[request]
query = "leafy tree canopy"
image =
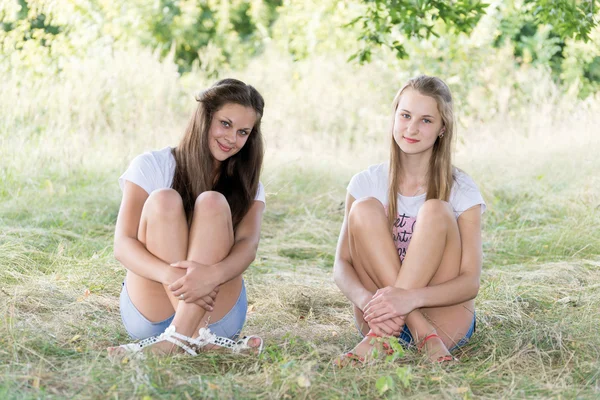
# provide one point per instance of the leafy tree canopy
(389, 23)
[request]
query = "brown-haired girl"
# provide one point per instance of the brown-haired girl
(411, 266)
(189, 226)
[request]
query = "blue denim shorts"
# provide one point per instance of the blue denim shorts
(138, 327)
(406, 339)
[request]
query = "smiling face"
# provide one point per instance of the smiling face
(417, 123)
(229, 130)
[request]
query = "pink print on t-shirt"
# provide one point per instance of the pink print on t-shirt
(402, 233)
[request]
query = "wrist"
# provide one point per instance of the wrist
(169, 275)
(416, 299)
(364, 299)
(216, 275)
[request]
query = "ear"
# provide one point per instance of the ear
(443, 129)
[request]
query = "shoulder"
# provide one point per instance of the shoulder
(465, 193)
(371, 182)
(463, 182)
(373, 173)
(150, 170)
(154, 158)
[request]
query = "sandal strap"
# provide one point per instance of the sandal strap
(170, 335)
(242, 344)
(425, 339)
(205, 337)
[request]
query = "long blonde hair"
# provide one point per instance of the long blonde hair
(439, 174)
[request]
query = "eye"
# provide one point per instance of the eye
(427, 121)
(404, 115)
(243, 133)
(225, 124)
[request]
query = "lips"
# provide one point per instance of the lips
(224, 148)
(409, 140)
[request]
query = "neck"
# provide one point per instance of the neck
(415, 167)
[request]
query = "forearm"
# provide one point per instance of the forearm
(455, 291)
(347, 280)
(134, 256)
(240, 257)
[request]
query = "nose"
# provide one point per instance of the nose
(231, 137)
(413, 127)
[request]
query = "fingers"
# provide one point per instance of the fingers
(393, 328)
(177, 285)
(207, 300)
(382, 329)
(377, 330)
(377, 311)
(202, 303)
(375, 300)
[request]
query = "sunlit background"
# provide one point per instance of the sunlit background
(86, 85)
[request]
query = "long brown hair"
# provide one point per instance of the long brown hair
(440, 172)
(239, 174)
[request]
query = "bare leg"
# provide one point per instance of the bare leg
(164, 231)
(433, 257)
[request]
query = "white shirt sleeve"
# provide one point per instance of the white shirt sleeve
(371, 182)
(465, 194)
(260, 193)
(145, 172)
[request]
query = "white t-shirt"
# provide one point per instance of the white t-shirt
(373, 182)
(155, 170)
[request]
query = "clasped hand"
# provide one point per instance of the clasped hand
(199, 285)
(387, 310)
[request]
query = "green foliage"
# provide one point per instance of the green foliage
(388, 22)
(212, 35)
(568, 18)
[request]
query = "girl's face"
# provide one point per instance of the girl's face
(229, 130)
(417, 123)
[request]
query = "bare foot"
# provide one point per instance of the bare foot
(437, 352)
(370, 348)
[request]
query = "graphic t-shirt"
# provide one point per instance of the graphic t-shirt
(373, 182)
(155, 170)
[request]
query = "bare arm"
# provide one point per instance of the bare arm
(466, 285)
(128, 249)
(344, 274)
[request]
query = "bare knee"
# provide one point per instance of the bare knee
(435, 211)
(164, 202)
(210, 203)
(364, 211)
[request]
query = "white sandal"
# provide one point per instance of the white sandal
(204, 338)
(170, 335)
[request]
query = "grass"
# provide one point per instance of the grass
(538, 309)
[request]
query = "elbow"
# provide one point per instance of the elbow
(337, 275)
(118, 250)
(475, 288)
(253, 247)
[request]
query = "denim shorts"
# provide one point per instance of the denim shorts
(138, 327)
(406, 339)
